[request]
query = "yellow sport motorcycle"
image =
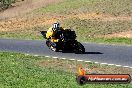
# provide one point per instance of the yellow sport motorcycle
(67, 42)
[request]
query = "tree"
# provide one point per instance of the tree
(5, 4)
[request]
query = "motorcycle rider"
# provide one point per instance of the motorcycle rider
(59, 38)
(52, 31)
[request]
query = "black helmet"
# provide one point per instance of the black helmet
(56, 25)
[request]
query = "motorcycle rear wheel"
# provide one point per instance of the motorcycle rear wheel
(79, 48)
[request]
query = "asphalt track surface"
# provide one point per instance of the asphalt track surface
(111, 54)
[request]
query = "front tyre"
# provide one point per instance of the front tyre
(53, 47)
(48, 43)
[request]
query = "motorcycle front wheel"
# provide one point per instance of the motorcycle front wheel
(52, 46)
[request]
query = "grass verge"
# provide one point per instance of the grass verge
(20, 70)
(119, 41)
(114, 7)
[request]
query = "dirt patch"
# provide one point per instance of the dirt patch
(46, 19)
(127, 34)
(23, 23)
(58, 65)
(102, 17)
(72, 66)
(24, 7)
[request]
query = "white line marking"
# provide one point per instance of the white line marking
(27, 54)
(103, 63)
(11, 55)
(96, 62)
(63, 58)
(55, 57)
(126, 66)
(79, 60)
(130, 67)
(87, 61)
(84, 61)
(118, 65)
(110, 64)
(47, 56)
(72, 59)
(36, 55)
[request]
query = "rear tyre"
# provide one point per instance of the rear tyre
(79, 49)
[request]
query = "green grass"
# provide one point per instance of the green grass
(20, 70)
(65, 5)
(29, 33)
(121, 41)
(114, 7)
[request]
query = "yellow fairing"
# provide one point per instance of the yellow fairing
(54, 40)
(49, 33)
